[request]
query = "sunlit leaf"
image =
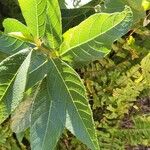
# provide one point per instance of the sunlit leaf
(34, 15)
(92, 38)
(13, 25)
(53, 26)
(13, 81)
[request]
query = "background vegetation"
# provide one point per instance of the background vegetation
(118, 85)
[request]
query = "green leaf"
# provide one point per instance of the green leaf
(9, 71)
(13, 25)
(2, 56)
(54, 26)
(118, 5)
(20, 119)
(35, 16)
(38, 69)
(146, 69)
(51, 103)
(19, 84)
(10, 45)
(74, 95)
(46, 126)
(92, 38)
(72, 17)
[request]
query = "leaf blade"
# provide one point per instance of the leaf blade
(44, 122)
(13, 25)
(10, 63)
(8, 71)
(19, 85)
(102, 28)
(74, 92)
(38, 69)
(20, 119)
(34, 15)
(118, 5)
(78, 14)
(11, 45)
(54, 25)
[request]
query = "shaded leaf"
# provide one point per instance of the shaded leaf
(8, 70)
(62, 3)
(20, 81)
(20, 119)
(10, 45)
(51, 103)
(2, 56)
(79, 118)
(54, 26)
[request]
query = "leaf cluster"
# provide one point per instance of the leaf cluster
(40, 89)
(39, 63)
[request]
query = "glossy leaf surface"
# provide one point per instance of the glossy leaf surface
(13, 25)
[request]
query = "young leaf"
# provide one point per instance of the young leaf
(54, 26)
(46, 125)
(8, 72)
(13, 25)
(49, 109)
(20, 81)
(92, 38)
(62, 76)
(34, 12)
(10, 45)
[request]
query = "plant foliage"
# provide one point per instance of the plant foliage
(40, 58)
(42, 95)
